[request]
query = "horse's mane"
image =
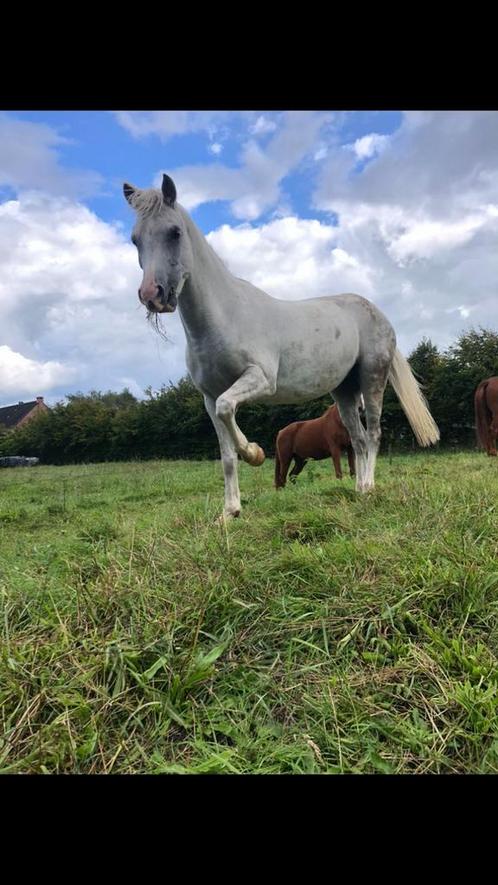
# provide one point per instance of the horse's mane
(147, 202)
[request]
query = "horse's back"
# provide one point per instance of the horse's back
(313, 438)
(492, 392)
(375, 331)
(487, 390)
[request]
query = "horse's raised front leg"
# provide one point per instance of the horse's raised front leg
(252, 385)
(228, 460)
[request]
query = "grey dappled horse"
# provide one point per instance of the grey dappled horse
(245, 346)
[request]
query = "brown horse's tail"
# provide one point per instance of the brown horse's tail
(482, 416)
(283, 456)
(277, 465)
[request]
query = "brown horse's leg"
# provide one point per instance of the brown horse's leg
(493, 435)
(283, 457)
(299, 463)
(335, 453)
(351, 462)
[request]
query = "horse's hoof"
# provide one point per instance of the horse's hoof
(363, 488)
(227, 517)
(254, 455)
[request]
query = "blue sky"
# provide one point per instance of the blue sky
(400, 207)
(98, 142)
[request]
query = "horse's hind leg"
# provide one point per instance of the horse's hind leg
(493, 434)
(351, 460)
(299, 463)
(373, 387)
(347, 397)
(283, 457)
(335, 453)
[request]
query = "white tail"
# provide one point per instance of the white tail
(413, 401)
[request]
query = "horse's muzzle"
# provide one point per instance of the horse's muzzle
(162, 303)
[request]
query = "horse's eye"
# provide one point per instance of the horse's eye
(174, 233)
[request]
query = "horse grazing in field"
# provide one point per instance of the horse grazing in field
(318, 438)
(245, 346)
(486, 413)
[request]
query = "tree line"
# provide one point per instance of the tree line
(172, 422)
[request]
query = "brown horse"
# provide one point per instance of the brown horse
(486, 412)
(319, 438)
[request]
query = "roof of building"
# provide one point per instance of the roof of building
(11, 415)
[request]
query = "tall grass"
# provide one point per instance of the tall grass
(320, 632)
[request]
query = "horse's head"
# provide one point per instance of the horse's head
(164, 251)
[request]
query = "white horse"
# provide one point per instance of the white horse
(245, 346)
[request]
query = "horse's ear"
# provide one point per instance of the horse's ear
(128, 191)
(169, 190)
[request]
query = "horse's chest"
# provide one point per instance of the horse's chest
(214, 372)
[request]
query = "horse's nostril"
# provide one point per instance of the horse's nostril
(160, 293)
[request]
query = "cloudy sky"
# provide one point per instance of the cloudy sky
(399, 207)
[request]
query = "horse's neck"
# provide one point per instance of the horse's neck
(210, 290)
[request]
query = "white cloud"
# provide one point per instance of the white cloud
(263, 125)
(290, 258)
(69, 309)
(21, 375)
(166, 124)
(321, 153)
(425, 239)
(255, 186)
(216, 148)
(29, 159)
(417, 233)
(369, 145)
(439, 161)
(422, 215)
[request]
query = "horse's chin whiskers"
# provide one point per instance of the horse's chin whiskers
(155, 320)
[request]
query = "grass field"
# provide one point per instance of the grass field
(320, 632)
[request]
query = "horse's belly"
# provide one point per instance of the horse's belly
(310, 370)
(307, 450)
(318, 356)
